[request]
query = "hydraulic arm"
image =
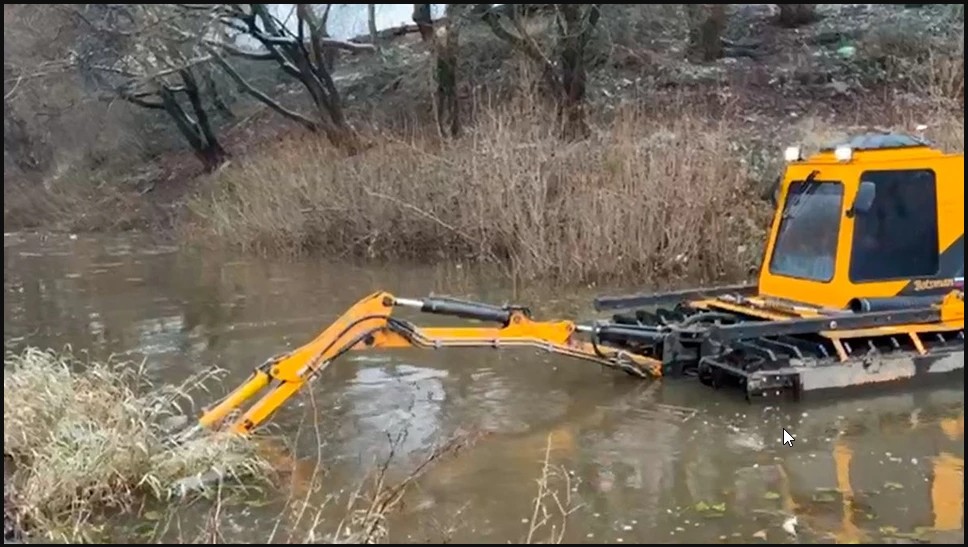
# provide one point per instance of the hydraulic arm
(368, 325)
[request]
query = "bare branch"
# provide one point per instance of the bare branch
(531, 46)
(345, 45)
(239, 52)
(134, 99)
(155, 75)
(261, 96)
(147, 54)
(564, 70)
(300, 56)
(13, 90)
(541, 514)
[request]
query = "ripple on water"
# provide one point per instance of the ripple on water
(396, 404)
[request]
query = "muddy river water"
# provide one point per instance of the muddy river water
(666, 463)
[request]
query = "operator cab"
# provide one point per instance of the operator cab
(881, 215)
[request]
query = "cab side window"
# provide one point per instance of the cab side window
(898, 237)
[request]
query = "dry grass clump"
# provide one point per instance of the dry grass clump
(82, 202)
(648, 197)
(85, 436)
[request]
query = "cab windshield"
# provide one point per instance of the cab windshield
(806, 242)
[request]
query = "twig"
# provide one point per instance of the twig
(14, 88)
(370, 522)
(426, 214)
(540, 513)
(215, 535)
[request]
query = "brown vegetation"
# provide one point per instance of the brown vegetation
(83, 436)
(669, 199)
(635, 200)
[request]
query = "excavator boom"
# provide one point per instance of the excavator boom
(369, 325)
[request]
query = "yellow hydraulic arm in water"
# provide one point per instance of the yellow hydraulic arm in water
(368, 324)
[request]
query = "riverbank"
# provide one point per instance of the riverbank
(672, 185)
(81, 436)
(673, 194)
(637, 197)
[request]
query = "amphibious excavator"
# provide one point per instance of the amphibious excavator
(861, 283)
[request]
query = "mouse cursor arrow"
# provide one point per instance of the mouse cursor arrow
(787, 438)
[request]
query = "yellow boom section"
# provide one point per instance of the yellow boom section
(368, 325)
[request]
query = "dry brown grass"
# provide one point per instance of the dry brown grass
(85, 436)
(663, 198)
(85, 201)
(646, 197)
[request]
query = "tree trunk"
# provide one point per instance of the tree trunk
(217, 100)
(213, 150)
(446, 44)
(212, 156)
(330, 55)
(209, 152)
(329, 107)
(575, 27)
(371, 22)
(425, 23)
(311, 68)
(795, 15)
(343, 137)
(706, 25)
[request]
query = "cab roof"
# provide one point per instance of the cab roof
(878, 147)
(879, 141)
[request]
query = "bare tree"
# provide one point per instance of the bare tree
(706, 25)
(40, 90)
(564, 73)
(795, 15)
(302, 54)
(146, 54)
(444, 38)
(371, 23)
(575, 23)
